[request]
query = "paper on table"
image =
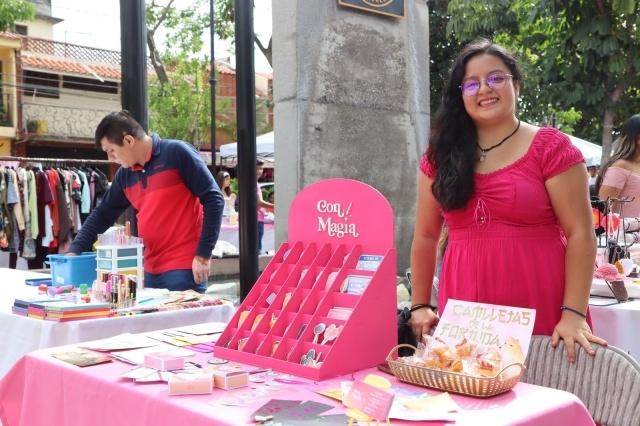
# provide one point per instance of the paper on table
(136, 356)
(424, 408)
(206, 328)
(120, 342)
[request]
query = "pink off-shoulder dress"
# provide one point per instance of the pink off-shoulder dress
(506, 247)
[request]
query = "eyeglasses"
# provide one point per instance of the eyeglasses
(496, 80)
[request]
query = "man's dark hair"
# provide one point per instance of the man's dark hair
(115, 126)
(259, 163)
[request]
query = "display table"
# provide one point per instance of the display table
(616, 323)
(20, 335)
(231, 234)
(40, 389)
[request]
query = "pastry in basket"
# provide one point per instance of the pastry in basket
(488, 363)
(465, 348)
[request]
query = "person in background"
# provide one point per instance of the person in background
(515, 200)
(592, 170)
(223, 179)
(261, 203)
(178, 203)
(620, 176)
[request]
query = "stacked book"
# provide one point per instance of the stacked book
(68, 311)
(60, 310)
(21, 306)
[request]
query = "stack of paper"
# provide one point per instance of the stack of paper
(67, 311)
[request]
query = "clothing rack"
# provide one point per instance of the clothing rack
(54, 160)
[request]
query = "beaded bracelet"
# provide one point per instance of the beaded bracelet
(575, 311)
(422, 305)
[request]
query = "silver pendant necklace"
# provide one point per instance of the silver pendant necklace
(483, 151)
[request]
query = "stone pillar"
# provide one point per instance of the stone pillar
(351, 93)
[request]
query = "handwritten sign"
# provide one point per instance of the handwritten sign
(333, 219)
(372, 401)
(485, 324)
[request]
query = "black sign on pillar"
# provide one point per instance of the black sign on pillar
(133, 46)
(393, 8)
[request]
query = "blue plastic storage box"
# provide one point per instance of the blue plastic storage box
(73, 270)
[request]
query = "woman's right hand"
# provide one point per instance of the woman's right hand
(422, 322)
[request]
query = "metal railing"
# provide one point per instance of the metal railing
(72, 51)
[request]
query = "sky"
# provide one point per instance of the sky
(96, 23)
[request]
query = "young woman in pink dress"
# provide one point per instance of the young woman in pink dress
(516, 201)
(620, 176)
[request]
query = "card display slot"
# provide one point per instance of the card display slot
(314, 354)
(239, 339)
(291, 254)
(351, 258)
(311, 301)
(326, 329)
(250, 319)
(284, 348)
(269, 345)
(324, 254)
(254, 339)
(352, 281)
(283, 321)
(239, 317)
(308, 275)
(226, 337)
(297, 328)
(337, 257)
(338, 306)
(308, 254)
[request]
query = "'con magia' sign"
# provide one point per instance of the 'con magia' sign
(333, 219)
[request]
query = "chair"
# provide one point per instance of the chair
(608, 383)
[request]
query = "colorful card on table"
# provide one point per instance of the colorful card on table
(485, 324)
(81, 358)
(371, 400)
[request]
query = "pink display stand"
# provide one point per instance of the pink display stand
(331, 224)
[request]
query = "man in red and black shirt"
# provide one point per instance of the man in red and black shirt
(178, 203)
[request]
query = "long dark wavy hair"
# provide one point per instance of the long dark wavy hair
(627, 146)
(453, 140)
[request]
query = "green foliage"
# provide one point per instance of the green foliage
(579, 58)
(12, 11)
(180, 109)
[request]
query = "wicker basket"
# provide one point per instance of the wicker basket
(455, 382)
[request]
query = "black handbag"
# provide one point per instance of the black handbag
(405, 334)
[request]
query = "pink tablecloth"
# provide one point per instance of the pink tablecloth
(40, 390)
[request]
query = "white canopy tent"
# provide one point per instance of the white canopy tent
(264, 151)
(590, 151)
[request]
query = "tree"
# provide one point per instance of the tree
(580, 55)
(12, 11)
(179, 98)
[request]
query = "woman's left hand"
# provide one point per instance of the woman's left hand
(574, 329)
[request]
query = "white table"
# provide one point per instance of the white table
(20, 335)
(231, 234)
(617, 324)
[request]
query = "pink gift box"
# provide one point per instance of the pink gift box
(163, 361)
(190, 383)
(228, 380)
